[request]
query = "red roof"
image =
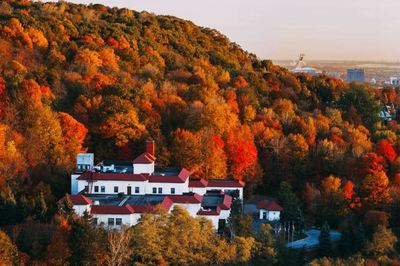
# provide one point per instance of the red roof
(269, 205)
(144, 158)
(198, 182)
(227, 202)
(224, 183)
(180, 178)
(112, 176)
(127, 209)
(186, 199)
(79, 200)
(143, 208)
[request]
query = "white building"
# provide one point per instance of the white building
(269, 210)
(394, 81)
(117, 193)
(300, 67)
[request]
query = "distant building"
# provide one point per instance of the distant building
(116, 193)
(301, 68)
(269, 210)
(355, 75)
(394, 81)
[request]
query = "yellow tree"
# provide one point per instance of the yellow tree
(213, 157)
(8, 251)
(375, 188)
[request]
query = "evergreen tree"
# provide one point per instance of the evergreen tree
(359, 238)
(235, 215)
(346, 244)
(86, 242)
(325, 244)
(240, 225)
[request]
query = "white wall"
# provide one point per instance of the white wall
(228, 189)
(74, 184)
(274, 215)
(80, 209)
(224, 214)
(145, 187)
(213, 218)
(271, 215)
(143, 168)
(109, 186)
(180, 188)
(127, 219)
(199, 190)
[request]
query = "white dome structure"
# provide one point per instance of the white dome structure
(301, 68)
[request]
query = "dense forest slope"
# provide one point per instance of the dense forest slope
(76, 78)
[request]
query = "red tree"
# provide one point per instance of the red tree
(385, 149)
(241, 151)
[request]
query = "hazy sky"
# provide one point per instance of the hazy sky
(282, 29)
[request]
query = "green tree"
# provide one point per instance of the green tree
(87, 243)
(290, 203)
(363, 100)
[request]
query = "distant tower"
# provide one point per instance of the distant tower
(300, 63)
(84, 162)
(355, 75)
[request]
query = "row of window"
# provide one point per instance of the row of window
(110, 222)
(129, 190)
(83, 167)
(160, 190)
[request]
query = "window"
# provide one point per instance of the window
(115, 189)
(154, 190)
(160, 190)
(137, 190)
(94, 221)
(96, 189)
(118, 221)
(87, 188)
(103, 189)
(172, 190)
(110, 221)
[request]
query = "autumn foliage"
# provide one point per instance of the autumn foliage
(92, 78)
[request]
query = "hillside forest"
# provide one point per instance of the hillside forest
(76, 78)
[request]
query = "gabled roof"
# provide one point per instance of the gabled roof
(227, 202)
(112, 176)
(225, 183)
(143, 208)
(79, 199)
(180, 178)
(127, 209)
(198, 182)
(186, 198)
(144, 158)
(269, 205)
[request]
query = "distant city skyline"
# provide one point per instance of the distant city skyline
(362, 30)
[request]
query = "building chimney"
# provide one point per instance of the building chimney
(151, 147)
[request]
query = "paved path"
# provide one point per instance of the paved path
(311, 241)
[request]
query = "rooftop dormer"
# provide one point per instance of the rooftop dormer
(84, 162)
(145, 163)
